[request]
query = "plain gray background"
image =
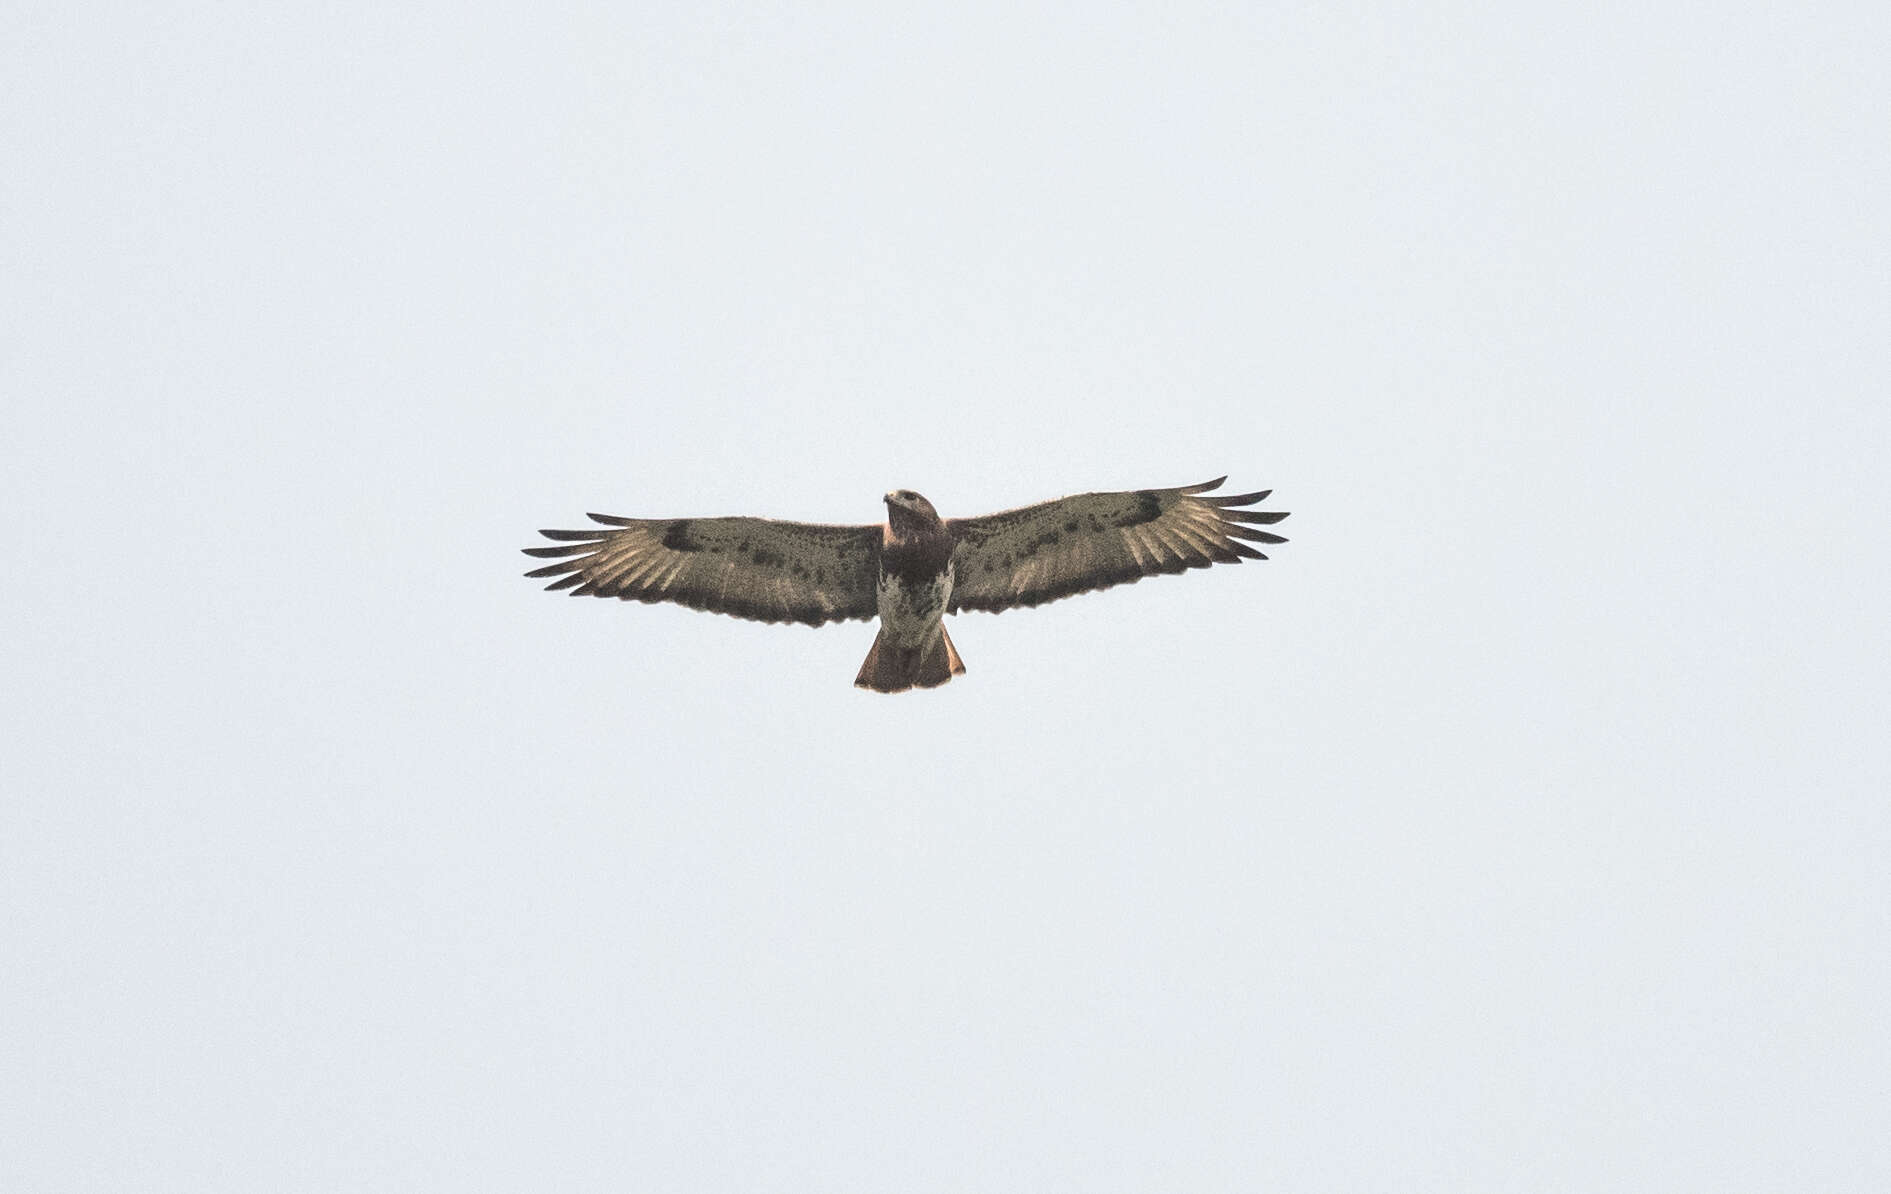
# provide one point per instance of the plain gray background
(1522, 825)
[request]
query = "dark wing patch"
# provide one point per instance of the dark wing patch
(1091, 541)
(755, 568)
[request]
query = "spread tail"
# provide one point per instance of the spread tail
(891, 668)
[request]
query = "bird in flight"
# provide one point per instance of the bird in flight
(911, 570)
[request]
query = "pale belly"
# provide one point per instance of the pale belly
(909, 612)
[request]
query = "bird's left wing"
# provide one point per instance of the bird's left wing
(757, 568)
(1054, 549)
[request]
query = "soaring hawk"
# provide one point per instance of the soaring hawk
(912, 570)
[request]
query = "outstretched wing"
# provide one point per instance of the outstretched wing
(750, 567)
(1094, 540)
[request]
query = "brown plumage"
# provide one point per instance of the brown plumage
(891, 668)
(912, 570)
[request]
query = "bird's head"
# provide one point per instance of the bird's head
(908, 513)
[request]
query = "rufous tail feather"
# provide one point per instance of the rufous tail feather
(891, 668)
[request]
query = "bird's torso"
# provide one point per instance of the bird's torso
(915, 587)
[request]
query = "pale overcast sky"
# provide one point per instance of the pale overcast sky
(1521, 825)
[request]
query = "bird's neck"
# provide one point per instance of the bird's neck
(904, 528)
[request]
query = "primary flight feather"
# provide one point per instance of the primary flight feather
(912, 570)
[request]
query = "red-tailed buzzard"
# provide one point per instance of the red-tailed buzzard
(911, 571)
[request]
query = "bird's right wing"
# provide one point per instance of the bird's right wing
(756, 568)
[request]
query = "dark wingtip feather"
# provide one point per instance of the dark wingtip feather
(557, 549)
(574, 536)
(1244, 551)
(1205, 486)
(557, 569)
(610, 520)
(1257, 536)
(1239, 499)
(1266, 516)
(565, 582)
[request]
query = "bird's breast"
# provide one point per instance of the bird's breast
(910, 606)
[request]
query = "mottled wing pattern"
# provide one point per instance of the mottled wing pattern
(755, 568)
(1091, 541)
